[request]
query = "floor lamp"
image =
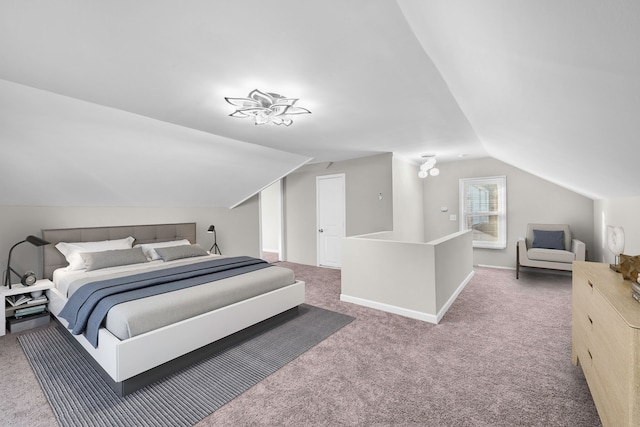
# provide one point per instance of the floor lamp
(214, 248)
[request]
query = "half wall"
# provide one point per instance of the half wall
(414, 279)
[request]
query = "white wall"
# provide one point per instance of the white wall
(408, 207)
(621, 212)
(529, 199)
(270, 217)
(237, 229)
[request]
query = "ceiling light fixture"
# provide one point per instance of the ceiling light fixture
(428, 167)
(266, 108)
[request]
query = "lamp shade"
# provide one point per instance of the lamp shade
(211, 229)
(36, 241)
(615, 239)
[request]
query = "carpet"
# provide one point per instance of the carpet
(79, 396)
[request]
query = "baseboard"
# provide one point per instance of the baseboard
(413, 314)
(453, 297)
(499, 267)
(528, 269)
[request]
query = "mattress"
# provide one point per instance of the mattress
(137, 317)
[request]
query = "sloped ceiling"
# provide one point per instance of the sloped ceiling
(122, 103)
(60, 151)
(550, 87)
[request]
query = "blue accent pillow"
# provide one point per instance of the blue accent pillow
(548, 239)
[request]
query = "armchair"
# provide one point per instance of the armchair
(548, 246)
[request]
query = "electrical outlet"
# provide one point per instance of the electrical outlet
(453, 217)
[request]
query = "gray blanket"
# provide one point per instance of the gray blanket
(88, 307)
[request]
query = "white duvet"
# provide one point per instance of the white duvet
(62, 277)
(137, 317)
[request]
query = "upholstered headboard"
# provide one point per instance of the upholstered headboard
(53, 259)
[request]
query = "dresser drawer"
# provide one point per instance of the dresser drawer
(606, 342)
(582, 342)
(610, 336)
(580, 349)
(581, 324)
(615, 399)
(604, 396)
(582, 295)
(581, 327)
(586, 363)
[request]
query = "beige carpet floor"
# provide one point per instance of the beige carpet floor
(500, 357)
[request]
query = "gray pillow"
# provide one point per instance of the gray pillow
(113, 258)
(544, 239)
(183, 251)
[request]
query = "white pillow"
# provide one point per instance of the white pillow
(72, 251)
(149, 248)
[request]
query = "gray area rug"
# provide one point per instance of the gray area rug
(79, 396)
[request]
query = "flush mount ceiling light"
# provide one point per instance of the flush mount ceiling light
(266, 108)
(427, 167)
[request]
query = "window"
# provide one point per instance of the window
(483, 209)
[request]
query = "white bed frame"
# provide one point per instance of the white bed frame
(130, 364)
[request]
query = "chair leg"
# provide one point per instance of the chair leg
(517, 261)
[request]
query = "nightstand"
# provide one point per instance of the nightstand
(19, 289)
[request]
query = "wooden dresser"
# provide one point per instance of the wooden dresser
(606, 341)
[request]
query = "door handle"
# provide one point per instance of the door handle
(321, 231)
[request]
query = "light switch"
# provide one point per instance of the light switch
(453, 217)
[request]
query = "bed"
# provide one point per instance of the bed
(198, 321)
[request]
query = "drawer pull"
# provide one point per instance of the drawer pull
(590, 284)
(590, 319)
(590, 356)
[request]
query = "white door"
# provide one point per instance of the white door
(330, 199)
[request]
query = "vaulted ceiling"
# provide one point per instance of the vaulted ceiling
(122, 103)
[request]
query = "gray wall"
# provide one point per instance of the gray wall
(621, 212)
(414, 208)
(365, 179)
(237, 229)
(529, 199)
